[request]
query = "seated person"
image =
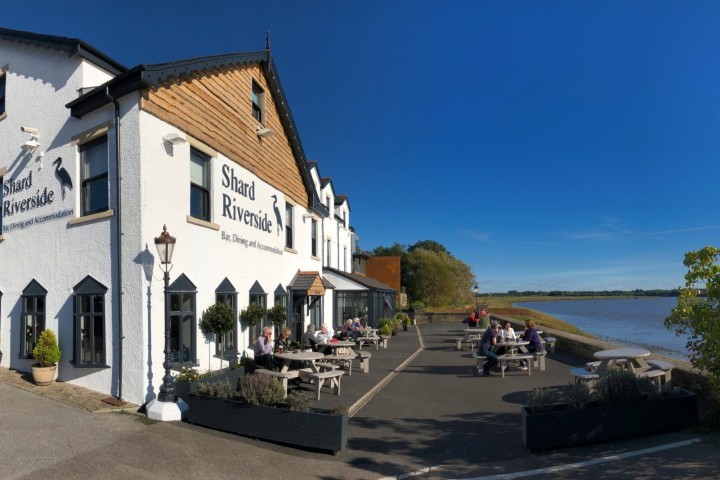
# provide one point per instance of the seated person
(486, 347)
(308, 339)
(346, 331)
(264, 350)
(472, 322)
(506, 334)
(324, 337)
(531, 335)
(284, 340)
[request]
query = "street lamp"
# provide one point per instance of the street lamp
(166, 407)
(475, 289)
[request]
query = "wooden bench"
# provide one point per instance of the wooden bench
(383, 341)
(479, 362)
(470, 340)
(331, 376)
(666, 368)
(538, 361)
(506, 359)
(369, 340)
(282, 376)
(364, 358)
(593, 366)
(657, 375)
(344, 360)
(326, 365)
(550, 344)
(584, 375)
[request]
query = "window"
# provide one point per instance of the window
(327, 202)
(259, 297)
(33, 317)
(183, 321)
(3, 81)
(258, 103)
(89, 323)
(327, 253)
(345, 259)
(94, 172)
(288, 225)
(313, 238)
(351, 305)
(226, 293)
(199, 185)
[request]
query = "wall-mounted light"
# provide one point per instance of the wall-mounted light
(263, 132)
(307, 215)
(174, 138)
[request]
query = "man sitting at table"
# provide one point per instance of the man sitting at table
(323, 338)
(264, 349)
(485, 348)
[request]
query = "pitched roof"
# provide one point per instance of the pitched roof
(361, 279)
(147, 76)
(72, 46)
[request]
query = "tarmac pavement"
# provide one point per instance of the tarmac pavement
(421, 413)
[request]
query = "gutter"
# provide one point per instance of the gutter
(119, 289)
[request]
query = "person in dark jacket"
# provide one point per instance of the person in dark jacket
(487, 344)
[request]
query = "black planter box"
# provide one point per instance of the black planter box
(317, 431)
(562, 426)
(183, 389)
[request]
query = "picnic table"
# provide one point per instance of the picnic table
(629, 357)
(312, 374)
(367, 335)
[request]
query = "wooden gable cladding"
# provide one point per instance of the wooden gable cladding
(215, 108)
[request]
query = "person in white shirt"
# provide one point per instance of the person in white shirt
(323, 338)
(507, 333)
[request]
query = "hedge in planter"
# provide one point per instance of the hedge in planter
(621, 407)
(218, 406)
(189, 378)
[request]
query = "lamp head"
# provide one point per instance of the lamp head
(165, 245)
(263, 132)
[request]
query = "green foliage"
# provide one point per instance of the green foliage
(218, 389)
(277, 315)
(619, 386)
(46, 350)
(698, 316)
(541, 399)
(218, 318)
(261, 390)
(340, 409)
(188, 375)
(577, 395)
(402, 318)
(252, 315)
(385, 326)
(300, 400)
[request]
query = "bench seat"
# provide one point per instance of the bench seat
(282, 376)
(331, 376)
(550, 344)
(364, 358)
(506, 359)
(666, 368)
(584, 375)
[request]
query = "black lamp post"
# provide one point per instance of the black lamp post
(475, 289)
(165, 245)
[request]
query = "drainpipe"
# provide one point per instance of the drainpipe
(337, 236)
(119, 289)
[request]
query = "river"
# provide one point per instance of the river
(626, 321)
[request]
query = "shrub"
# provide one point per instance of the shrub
(46, 350)
(541, 399)
(300, 401)
(218, 318)
(385, 326)
(577, 395)
(218, 389)
(188, 375)
(261, 390)
(252, 315)
(341, 409)
(620, 386)
(277, 315)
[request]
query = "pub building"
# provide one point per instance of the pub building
(99, 161)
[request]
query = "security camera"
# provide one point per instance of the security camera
(28, 130)
(263, 132)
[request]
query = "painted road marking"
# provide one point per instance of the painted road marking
(558, 468)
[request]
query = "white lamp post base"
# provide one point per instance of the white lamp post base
(167, 411)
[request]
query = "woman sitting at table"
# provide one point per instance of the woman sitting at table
(531, 335)
(485, 348)
(346, 331)
(472, 322)
(284, 340)
(506, 334)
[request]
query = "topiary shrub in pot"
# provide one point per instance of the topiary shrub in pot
(47, 353)
(252, 316)
(218, 319)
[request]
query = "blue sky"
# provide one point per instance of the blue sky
(549, 145)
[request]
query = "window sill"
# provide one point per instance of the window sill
(313, 257)
(202, 223)
(3, 116)
(2, 238)
(91, 218)
(290, 250)
(98, 366)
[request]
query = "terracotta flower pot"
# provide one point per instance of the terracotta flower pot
(43, 375)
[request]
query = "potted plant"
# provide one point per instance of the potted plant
(252, 316)
(47, 353)
(277, 316)
(218, 319)
(257, 409)
(384, 327)
(404, 319)
(622, 405)
(189, 378)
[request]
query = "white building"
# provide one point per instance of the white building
(96, 158)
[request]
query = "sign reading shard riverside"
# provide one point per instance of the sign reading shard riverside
(231, 210)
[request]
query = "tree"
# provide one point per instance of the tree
(218, 319)
(698, 316)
